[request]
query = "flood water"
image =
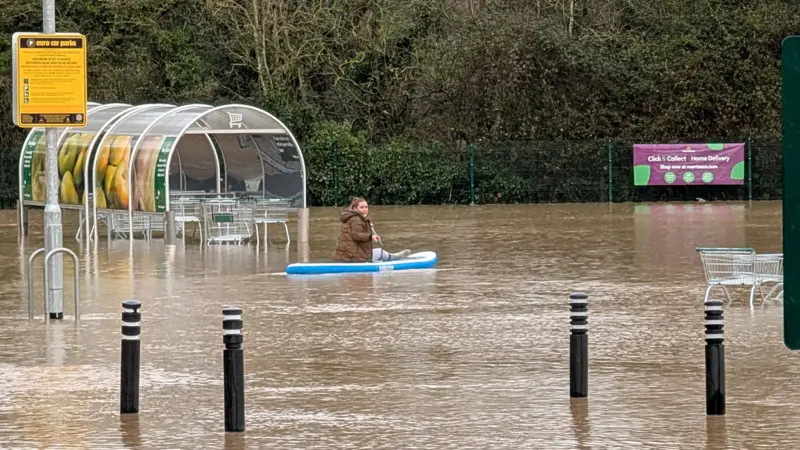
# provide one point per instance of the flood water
(473, 355)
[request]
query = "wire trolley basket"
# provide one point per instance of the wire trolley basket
(725, 267)
(227, 222)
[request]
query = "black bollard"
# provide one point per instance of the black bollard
(715, 359)
(129, 368)
(233, 366)
(579, 345)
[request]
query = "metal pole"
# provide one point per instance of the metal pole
(169, 229)
(749, 169)
(302, 224)
(610, 172)
(335, 174)
(472, 174)
(30, 284)
(233, 369)
(53, 235)
(23, 214)
(715, 359)
(303, 252)
(579, 345)
(130, 360)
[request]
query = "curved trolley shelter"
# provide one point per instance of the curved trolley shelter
(159, 149)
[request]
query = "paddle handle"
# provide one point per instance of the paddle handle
(372, 227)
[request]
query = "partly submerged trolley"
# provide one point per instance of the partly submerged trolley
(725, 267)
(227, 222)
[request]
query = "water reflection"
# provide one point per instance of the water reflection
(579, 412)
(130, 431)
(716, 433)
(235, 441)
(55, 346)
(661, 231)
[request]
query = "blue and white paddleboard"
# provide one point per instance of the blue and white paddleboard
(421, 260)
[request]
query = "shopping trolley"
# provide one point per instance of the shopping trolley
(226, 221)
(725, 267)
(768, 268)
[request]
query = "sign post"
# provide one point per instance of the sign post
(49, 91)
(790, 116)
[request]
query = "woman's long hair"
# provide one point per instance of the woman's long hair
(355, 201)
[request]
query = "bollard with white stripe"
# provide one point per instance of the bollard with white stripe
(129, 367)
(715, 359)
(579, 345)
(233, 367)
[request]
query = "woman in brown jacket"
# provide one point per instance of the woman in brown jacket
(356, 236)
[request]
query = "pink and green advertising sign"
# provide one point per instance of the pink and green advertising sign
(688, 164)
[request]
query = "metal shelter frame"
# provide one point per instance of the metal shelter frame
(215, 123)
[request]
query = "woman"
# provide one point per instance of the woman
(356, 236)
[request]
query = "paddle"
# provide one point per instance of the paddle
(372, 227)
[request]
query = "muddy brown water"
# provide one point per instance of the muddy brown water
(471, 355)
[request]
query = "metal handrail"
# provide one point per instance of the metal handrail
(76, 287)
(30, 283)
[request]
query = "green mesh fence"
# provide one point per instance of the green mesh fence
(498, 172)
(538, 172)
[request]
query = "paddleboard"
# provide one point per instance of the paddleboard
(421, 260)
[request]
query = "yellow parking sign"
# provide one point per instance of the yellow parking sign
(49, 80)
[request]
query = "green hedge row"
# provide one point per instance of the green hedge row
(341, 164)
(9, 178)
